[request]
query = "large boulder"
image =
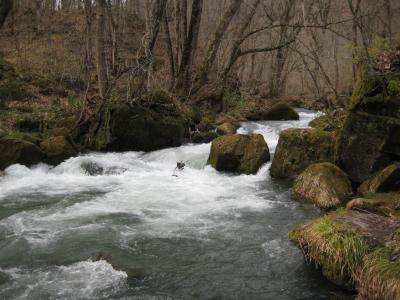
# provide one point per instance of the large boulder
(17, 151)
(58, 149)
(385, 180)
(239, 153)
(277, 112)
(144, 129)
(227, 128)
(324, 185)
(298, 148)
(370, 138)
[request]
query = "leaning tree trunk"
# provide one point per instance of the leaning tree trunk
(189, 49)
(216, 40)
(5, 8)
(101, 64)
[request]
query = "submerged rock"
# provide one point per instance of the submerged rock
(324, 185)
(227, 128)
(239, 153)
(384, 181)
(298, 148)
(57, 149)
(142, 129)
(17, 151)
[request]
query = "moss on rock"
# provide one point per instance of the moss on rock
(58, 149)
(385, 180)
(324, 185)
(239, 153)
(18, 151)
(227, 128)
(141, 129)
(277, 112)
(298, 148)
(366, 144)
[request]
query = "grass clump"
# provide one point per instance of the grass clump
(334, 246)
(380, 277)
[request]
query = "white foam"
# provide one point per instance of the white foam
(82, 280)
(196, 202)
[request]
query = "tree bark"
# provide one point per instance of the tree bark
(101, 63)
(182, 81)
(5, 8)
(216, 40)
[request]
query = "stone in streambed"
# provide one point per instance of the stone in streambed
(298, 148)
(58, 149)
(324, 185)
(17, 151)
(239, 153)
(227, 128)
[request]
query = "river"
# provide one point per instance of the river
(201, 235)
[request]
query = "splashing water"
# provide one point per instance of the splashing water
(203, 234)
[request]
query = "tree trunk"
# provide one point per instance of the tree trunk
(182, 82)
(101, 63)
(5, 8)
(216, 40)
(169, 49)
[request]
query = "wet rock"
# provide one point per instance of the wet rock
(58, 149)
(369, 140)
(353, 250)
(298, 148)
(143, 129)
(384, 181)
(227, 128)
(277, 112)
(17, 151)
(92, 169)
(324, 185)
(239, 153)
(200, 137)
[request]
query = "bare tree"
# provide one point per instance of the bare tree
(5, 8)
(101, 63)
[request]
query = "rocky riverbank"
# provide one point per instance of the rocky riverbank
(358, 245)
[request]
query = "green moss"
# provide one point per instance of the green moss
(380, 278)
(393, 88)
(57, 149)
(238, 153)
(365, 84)
(324, 185)
(334, 246)
(15, 151)
(298, 148)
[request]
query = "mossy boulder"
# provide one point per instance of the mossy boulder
(331, 121)
(298, 148)
(354, 250)
(366, 144)
(227, 128)
(369, 140)
(385, 180)
(58, 149)
(324, 185)
(277, 112)
(17, 151)
(239, 153)
(143, 129)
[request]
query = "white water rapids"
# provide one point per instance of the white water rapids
(182, 233)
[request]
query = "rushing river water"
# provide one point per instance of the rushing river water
(201, 235)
